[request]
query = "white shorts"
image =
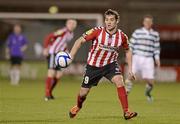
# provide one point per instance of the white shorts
(143, 66)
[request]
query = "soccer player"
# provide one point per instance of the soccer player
(145, 48)
(16, 45)
(55, 42)
(102, 61)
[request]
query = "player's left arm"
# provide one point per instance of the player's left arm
(125, 44)
(129, 62)
(24, 44)
(157, 51)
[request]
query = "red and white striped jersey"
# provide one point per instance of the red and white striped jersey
(57, 41)
(105, 46)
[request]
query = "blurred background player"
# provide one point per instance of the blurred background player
(146, 50)
(55, 42)
(16, 45)
(102, 61)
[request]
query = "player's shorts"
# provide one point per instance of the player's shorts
(16, 60)
(93, 74)
(51, 62)
(143, 66)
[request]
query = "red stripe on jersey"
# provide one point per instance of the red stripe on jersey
(99, 51)
(125, 43)
(92, 50)
(62, 36)
(49, 40)
(116, 43)
(95, 34)
(103, 56)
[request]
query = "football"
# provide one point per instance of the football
(62, 59)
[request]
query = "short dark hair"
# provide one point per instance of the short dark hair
(148, 16)
(112, 12)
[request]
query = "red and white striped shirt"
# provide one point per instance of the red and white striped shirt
(105, 46)
(57, 41)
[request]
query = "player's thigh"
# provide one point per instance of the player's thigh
(51, 61)
(111, 70)
(148, 69)
(16, 61)
(91, 77)
(113, 73)
(136, 64)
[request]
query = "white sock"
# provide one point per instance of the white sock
(12, 76)
(17, 76)
(128, 85)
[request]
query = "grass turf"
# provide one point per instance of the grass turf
(24, 104)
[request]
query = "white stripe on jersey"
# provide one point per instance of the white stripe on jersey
(103, 51)
(110, 53)
(145, 43)
(51, 50)
(101, 55)
(60, 47)
(94, 52)
(114, 57)
(60, 43)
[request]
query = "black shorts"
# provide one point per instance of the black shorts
(51, 62)
(94, 74)
(16, 60)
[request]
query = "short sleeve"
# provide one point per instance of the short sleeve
(91, 34)
(25, 41)
(48, 40)
(125, 42)
(8, 41)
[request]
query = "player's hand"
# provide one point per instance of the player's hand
(158, 63)
(71, 58)
(45, 52)
(7, 56)
(131, 76)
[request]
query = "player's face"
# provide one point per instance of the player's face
(17, 29)
(147, 22)
(110, 22)
(71, 24)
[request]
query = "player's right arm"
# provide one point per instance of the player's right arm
(78, 43)
(132, 40)
(47, 42)
(87, 36)
(125, 44)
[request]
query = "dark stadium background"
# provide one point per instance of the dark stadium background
(165, 13)
(24, 103)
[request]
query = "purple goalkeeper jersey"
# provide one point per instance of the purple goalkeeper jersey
(15, 43)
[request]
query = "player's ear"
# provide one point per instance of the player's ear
(117, 21)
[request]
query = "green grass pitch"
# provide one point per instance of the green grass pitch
(24, 104)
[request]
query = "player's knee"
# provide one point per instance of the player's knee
(119, 84)
(51, 73)
(118, 81)
(84, 92)
(58, 76)
(149, 81)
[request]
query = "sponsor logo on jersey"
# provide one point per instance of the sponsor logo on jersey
(108, 48)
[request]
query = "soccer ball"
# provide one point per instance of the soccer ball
(62, 59)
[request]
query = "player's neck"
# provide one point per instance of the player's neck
(113, 31)
(148, 28)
